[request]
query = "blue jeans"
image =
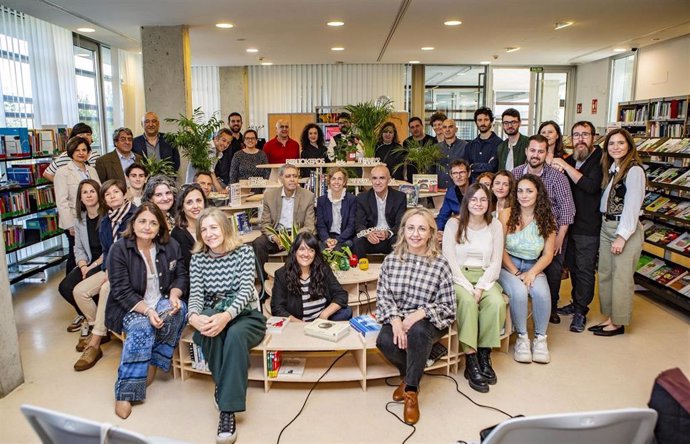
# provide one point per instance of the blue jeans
(518, 293)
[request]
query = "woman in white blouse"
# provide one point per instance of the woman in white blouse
(473, 246)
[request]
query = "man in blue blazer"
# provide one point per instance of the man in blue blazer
(153, 144)
(379, 212)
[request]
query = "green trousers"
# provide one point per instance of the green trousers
(228, 356)
(479, 324)
(616, 271)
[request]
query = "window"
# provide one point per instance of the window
(622, 81)
(87, 70)
(15, 83)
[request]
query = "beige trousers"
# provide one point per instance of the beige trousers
(84, 293)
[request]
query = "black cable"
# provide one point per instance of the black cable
(457, 388)
(414, 429)
(304, 404)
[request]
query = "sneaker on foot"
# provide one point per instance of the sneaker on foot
(227, 429)
(75, 325)
(522, 352)
(540, 351)
(566, 310)
(578, 323)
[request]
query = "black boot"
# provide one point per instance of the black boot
(485, 365)
(474, 377)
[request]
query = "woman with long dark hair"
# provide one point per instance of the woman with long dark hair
(530, 231)
(552, 131)
(313, 146)
(473, 246)
(387, 147)
(305, 287)
(190, 203)
(621, 232)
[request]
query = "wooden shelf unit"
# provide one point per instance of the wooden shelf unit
(657, 117)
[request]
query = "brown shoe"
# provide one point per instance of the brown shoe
(399, 393)
(411, 410)
(83, 342)
(88, 359)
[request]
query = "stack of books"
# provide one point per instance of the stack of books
(332, 331)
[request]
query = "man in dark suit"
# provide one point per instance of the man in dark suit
(114, 164)
(379, 212)
(153, 144)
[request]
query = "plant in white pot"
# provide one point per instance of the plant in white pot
(192, 140)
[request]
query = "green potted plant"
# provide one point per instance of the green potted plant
(422, 156)
(192, 139)
(157, 167)
(367, 119)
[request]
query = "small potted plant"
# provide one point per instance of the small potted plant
(367, 119)
(418, 155)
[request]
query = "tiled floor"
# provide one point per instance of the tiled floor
(586, 373)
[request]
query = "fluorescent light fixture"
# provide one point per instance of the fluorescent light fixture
(512, 48)
(335, 23)
(252, 50)
(337, 48)
(485, 62)
(561, 25)
(413, 62)
(619, 49)
(86, 30)
(267, 63)
(427, 48)
(224, 25)
(452, 23)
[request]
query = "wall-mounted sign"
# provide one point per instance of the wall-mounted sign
(594, 106)
(579, 108)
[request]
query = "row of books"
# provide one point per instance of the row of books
(14, 236)
(669, 207)
(25, 175)
(638, 114)
(197, 357)
(317, 183)
(279, 365)
(670, 275)
(667, 236)
(665, 173)
(663, 145)
(666, 129)
(47, 224)
(672, 109)
(18, 203)
(25, 142)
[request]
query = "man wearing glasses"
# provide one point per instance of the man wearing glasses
(584, 173)
(460, 174)
(153, 144)
(511, 152)
(281, 147)
(114, 164)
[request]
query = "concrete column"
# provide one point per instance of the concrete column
(417, 105)
(234, 93)
(11, 372)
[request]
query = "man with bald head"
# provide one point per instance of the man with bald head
(153, 144)
(379, 212)
(452, 149)
(281, 147)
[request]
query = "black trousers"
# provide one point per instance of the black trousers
(66, 286)
(553, 275)
(412, 361)
(71, 262)
(361, 247)
(262, 248)
(581, 259)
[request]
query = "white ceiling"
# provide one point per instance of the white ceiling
(295, 31)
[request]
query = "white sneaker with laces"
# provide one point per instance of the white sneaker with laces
(522, 351)
(540, 351)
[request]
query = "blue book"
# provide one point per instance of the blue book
(366, 325)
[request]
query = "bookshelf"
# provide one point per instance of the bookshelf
(658, 117)
(28, 215)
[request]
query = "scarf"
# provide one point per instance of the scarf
(117, 215)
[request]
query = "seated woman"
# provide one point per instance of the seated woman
(147, 280)
(111, 226)
(335, 212)
(305, 287)
(87, 248)
(244, 162)
(486, 179)
(386, 147)
(162, 191)
(501, 188)
(473, 246)
(415, 303)
(190, 203)
(313, 146)
(530, 231)
(224, 310)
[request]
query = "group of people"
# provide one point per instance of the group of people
(150, 257)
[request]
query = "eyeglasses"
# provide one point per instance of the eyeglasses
(581, 135)
(511, 122)
(420, 229)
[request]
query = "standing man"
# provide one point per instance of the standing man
(223, 141)
(452, 148)
(153, 144)
(418, 135)
(436, 121)
(114, 164)
(584, 173)
(482, 152)
(344, 126)
(562, 205)
(511, 152)
(281, 147)
(235, 126)
(379, 213)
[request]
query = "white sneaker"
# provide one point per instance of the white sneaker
(540, 351)
(522, 352)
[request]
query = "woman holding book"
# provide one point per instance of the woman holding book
(224, 310)
(621, 233)
(530, 230)
(415, 303)
(501, 188)
(305, 287)
(147, 280)
(473, 246)
(335, 212)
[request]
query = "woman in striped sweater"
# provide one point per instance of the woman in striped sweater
(224, 310)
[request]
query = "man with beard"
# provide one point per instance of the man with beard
(481, 153)
(235, 127)
(562, 205)
(153, 144)
(584, 173)
(511, 152)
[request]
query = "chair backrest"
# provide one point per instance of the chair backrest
(625, 426)
(59, 428)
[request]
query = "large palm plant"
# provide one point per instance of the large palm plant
(367, 119)
(193, 136)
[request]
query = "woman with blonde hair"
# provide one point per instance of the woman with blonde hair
(224, 311)
(415, 303)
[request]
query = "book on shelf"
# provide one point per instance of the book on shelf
(669, 175)
(14, 143)
(276, 324)
(661, 235)
(655, 172)
(426, 182)
(649, 198)
(668, 206)
(650, 267)
(681, 243)
(682, 180)
(667, 273)
(292, 366)
(329, 330)
(678, 209)
(649, 144)
(680, 282)
(366, 325)
(412, 194)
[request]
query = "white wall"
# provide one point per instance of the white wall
(592, 83)
(664, 69)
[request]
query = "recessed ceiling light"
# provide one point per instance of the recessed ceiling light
(619, 49)
(413, 62)
(485, 62)
(452, 23)
(252, 50)
(427, 48)
(337, 48)
(267, 63)
(224, 25)
(512, 48)
(561, 25)
(335, 23)
(86, 30)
